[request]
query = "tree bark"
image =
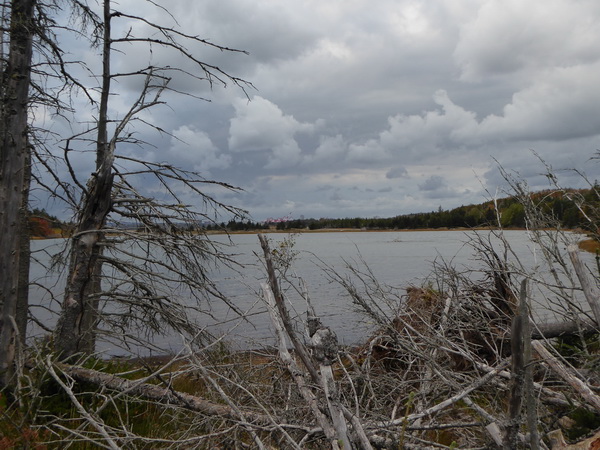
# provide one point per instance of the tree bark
(14, 156)
(24, 258)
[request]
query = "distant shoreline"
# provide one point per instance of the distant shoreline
(588, 245)
(350, 230)
(373, 230)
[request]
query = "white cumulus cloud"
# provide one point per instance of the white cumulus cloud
(194, 148)
(260, 125)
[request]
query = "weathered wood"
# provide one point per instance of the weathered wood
(165, 396)
(530, 397)
(495, 433)
(592, 295)
(324, 345)
(482, 381)
(333, 405)
(559, 329)
(293, 369)
(517, 383)
(522, 386)
(583, 389)
(300, 348)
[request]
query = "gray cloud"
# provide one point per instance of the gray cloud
(508, 37)
(397, 172)
(411, 102)
(433, 183)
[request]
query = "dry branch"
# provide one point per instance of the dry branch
(324, 347)
(449, 401)
(283, 313)
(96, 422)
(294, 370)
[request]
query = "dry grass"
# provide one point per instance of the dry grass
(590, 245)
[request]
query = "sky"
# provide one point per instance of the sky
(373, 108)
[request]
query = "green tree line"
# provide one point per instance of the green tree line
(564, 207)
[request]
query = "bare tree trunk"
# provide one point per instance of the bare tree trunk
(517, 379)
(283, 313)
(568, 328)
(530, 398)
(75, 332)
(14, 153)
(522, 387)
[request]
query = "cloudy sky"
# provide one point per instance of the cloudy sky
(378, 108)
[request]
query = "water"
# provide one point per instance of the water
(397, 259)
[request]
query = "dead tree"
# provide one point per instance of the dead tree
(110, 194)
(14, 167)
(338, 421)
(75, 330)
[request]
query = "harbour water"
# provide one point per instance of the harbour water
(396, 259)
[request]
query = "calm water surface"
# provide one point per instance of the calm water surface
(398, 259)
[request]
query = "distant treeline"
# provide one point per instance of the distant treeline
(43, 225)
(560, 206)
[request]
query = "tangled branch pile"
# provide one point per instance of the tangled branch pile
(450, 366)
(463, 361)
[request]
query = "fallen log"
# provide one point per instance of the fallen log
(559, 329)
(165, 396)
(566, 374)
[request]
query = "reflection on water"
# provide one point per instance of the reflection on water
(397, 259)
